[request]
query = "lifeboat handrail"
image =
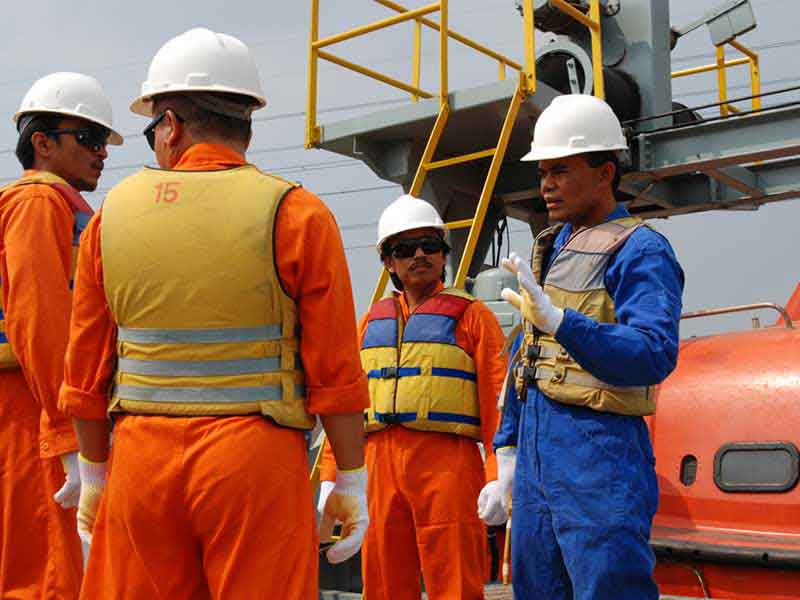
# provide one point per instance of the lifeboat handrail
(709, 312)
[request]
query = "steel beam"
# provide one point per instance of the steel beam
(729, 142)
(738, 178)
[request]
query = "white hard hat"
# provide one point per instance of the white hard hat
(72, 95)
(407, 213)
(200, 61)
(575, 124)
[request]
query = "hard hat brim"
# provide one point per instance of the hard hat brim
(143, 105)
(549, 153)
(114, 138)
(409, 227)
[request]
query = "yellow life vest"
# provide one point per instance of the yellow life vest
(419, 377)
(576, 280)
(204, 325)
(82, 213)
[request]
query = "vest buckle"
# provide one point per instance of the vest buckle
(529, 374)
(388, 372)
(559, 374)
(389, 418)
(563, 355)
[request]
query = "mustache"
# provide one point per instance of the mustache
(420, 262)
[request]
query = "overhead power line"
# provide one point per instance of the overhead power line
(756, 48)
(285, 115)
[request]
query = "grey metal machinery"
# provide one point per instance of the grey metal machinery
(487, 287)
(679, 163)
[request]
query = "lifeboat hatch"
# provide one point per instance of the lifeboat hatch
(756, 467)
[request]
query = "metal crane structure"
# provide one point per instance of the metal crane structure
(460, 149)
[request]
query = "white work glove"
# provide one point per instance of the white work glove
(69, 493)
(346, 503)
(93, 482)
(495, 497)
(325, 489)
(534, 304)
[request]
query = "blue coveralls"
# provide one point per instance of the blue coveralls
(585, 488)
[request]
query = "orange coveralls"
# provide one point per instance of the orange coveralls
(40, 555)
(206, 507)
(423, 488)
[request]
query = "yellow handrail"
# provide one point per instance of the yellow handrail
(488, 185)
(525, 87)
(721, 66)
(463, 223)
(313, 130)
(448, 162)
(374, 74)
(383, 23)
(415, 68)
(755, 72)
(456, 36)
(592, 22)
(529, 72)
(706, 68)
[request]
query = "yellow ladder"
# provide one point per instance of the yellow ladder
(427, 164)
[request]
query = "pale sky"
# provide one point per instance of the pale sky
(729, 258)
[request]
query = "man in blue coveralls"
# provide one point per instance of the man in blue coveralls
(601, 302)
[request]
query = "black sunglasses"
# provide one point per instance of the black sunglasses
(408, 248)
(150, 131)
(93, 138)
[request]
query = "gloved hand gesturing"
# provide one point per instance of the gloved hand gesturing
(494, 499)
(534, 304)
(69, 493)
(346, 503)
(93, 482)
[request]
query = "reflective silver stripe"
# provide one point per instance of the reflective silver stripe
(199, 336)
(203, 395)
(177, 368)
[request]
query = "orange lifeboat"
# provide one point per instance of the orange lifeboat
(726, 435)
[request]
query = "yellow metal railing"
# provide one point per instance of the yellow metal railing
(525, 87)
(418, 15)
(721, 66)
(592, 22)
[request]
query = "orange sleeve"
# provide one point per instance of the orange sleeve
(313, 271)
(91, 353)
(327, 465)
(480, 334)
(37, 238)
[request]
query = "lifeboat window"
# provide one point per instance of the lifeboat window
(688, 470)
(756, 467)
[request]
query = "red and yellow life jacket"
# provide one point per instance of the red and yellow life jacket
(419, 377)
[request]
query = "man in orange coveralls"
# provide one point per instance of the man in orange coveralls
(64, 124)
(432, 356)
(207, 300)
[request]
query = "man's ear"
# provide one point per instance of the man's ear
(43, 145)
(388, 263)
(176, 129)
(607, 172)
